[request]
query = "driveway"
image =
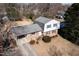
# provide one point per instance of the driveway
(26, 49)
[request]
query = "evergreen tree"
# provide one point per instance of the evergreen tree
(71, 30)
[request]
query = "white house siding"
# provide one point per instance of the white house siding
(54, 32)
(50, 33)
(52, 22)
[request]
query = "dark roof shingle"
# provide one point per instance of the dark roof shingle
(27, 29)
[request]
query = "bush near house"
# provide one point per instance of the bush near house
(46, 39)
(32, 42)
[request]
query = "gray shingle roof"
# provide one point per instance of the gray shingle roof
(42, 19)
(23, 30)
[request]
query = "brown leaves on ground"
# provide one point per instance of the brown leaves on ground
(24, 21)
(57, 47)
(62, 47)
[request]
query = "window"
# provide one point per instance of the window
(54, 25)
(49, 26)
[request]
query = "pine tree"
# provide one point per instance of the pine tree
(71, 30)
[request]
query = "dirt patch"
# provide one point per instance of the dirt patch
(23, 22)
(57, 47)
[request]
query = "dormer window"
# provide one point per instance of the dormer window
(49, 26)
(54, 25)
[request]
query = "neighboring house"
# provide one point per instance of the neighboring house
(41, 26)
(60, 15)
(5, 19)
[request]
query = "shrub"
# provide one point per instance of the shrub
(37, 42)
(46, 39)
(32, 42)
